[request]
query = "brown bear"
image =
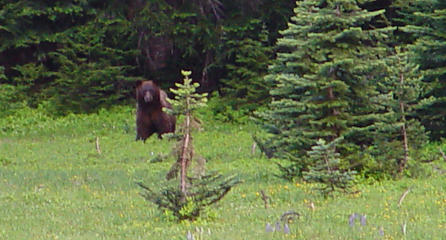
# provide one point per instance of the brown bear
(150, 117)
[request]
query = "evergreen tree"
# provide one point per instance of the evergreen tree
(324, 79)
(185, 103)
(326, 168)
(430, 49)
(400, 133)
(92, 68)
(188, 199)
(73, 55)
(244, 85)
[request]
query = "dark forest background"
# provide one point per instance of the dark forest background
(79, 56)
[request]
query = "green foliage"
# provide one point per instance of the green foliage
(326, 168)
(74, 57)
(186, 100)
(187, 200)
(26, 121)
(218, 109)
(184, 105)
(202, 193)
(10, 99)
(430, 48)
(81, 56)
(244, 86)
(324, 79)
(399, 135)
(91, 73)
(2, 73)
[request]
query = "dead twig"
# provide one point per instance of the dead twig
(289, 216)
(253, 148)
(311, 206)
(403, 196)
(265, 198)
(98, 148)
(404, 228)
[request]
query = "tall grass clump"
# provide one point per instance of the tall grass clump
(28, 121)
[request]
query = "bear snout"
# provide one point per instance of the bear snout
(148, 97)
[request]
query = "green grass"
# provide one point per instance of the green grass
(54, 185)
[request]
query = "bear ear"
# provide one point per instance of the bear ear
(138, 83)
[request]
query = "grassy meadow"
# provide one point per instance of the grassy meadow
(54, 184)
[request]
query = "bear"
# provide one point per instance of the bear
(150, 116)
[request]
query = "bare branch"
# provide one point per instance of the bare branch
(98, 148)
(265, 198)
(403, 196)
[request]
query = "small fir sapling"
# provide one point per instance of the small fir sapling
(193, 195)
(326, 168)
(184, 104)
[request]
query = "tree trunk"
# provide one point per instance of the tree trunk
(403, 161)
(184, 152)
(335, 112)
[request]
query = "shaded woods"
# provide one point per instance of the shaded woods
(78, 56)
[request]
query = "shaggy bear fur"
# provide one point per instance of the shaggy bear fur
(150, 117)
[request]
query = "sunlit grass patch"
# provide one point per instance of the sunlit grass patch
(55, 184)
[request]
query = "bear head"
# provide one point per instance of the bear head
(147, 92)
